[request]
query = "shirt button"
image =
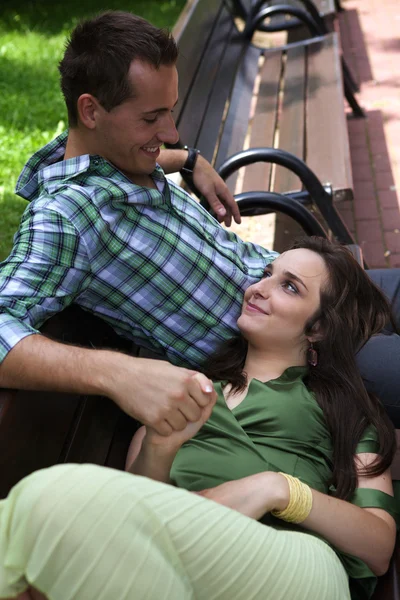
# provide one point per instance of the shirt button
(96, 161)
(245, 269)
(209, 237)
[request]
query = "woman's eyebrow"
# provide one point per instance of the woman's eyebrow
(295, 277)
(288, 274)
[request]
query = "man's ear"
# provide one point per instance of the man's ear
(88, 108)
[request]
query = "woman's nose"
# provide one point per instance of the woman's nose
(262, 288)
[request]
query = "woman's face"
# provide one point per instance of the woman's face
(277, 308)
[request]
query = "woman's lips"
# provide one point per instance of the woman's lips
(254, 308)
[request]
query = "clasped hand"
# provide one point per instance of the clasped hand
(165, 398)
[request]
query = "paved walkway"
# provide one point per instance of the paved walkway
(370, 31)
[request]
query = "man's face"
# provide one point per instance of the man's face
(130, 135)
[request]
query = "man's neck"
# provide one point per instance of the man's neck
(76, 146)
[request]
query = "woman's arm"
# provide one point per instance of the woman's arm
(368, 533)
(151, 454)
(148, 459)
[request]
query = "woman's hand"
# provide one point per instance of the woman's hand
(151, 454)
(253, 496)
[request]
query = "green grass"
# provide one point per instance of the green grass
(32, 112)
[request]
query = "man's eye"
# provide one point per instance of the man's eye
(150, 120)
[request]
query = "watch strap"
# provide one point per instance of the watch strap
(190, 162)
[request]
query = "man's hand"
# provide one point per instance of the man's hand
(207, 181)
(164, 397)
(216, 192)
(176, 439)
(253, 496)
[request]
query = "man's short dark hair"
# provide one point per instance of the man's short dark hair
(99, 53)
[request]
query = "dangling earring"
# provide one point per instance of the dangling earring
(312, 356)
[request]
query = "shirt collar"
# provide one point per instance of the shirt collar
(47, 165)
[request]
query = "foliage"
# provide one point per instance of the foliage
(32, 112)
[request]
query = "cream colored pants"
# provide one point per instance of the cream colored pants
(85, 532)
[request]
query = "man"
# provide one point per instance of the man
(106, 231)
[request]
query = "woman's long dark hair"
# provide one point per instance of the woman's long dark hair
(352, 310)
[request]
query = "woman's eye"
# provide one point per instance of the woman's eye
(266, 274)
(291, 287)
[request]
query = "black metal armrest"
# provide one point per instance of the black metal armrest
(319, 195)
(254, 20)
(256, 203)
(309, 7)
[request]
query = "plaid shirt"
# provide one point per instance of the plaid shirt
(150, 262)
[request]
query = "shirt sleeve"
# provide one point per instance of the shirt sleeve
(369, 498)
(369, 441)
(47, 269)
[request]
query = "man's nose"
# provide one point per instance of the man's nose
(169, 133)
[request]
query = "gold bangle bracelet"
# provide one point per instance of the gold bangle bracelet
(300, 501)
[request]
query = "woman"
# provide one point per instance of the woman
(293, 434)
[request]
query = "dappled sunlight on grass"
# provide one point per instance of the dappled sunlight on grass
(32, 112)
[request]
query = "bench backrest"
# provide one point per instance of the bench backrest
(219, 112)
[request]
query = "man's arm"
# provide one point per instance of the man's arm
(46, 270)
(154, 392)
(207, 181)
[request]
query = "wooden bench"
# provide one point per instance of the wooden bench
(38, 429)
(41, 429)
(234, 95)
(325, 9)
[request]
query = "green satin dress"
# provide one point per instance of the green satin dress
(279, 426)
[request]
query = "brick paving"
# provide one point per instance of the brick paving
(370, 36)
(370, 33)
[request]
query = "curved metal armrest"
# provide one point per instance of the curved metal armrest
(309, 7)
(253, 21)
(310, 181)
(274, 156)
(251, 203)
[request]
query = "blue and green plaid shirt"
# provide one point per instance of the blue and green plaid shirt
(151, 262)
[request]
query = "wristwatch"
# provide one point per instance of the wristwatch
(190, 162)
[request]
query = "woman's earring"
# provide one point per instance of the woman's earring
(312, 356)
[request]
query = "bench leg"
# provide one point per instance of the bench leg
(349, 75)
(350, 97)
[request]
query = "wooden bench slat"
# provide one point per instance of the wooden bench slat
(223, 83)
(327, 145)
(236, 123)
(257, 176)
(193, 40)
(93, 432)
(123, 434)
(197, 100)
(292, 117)
(33, 430)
